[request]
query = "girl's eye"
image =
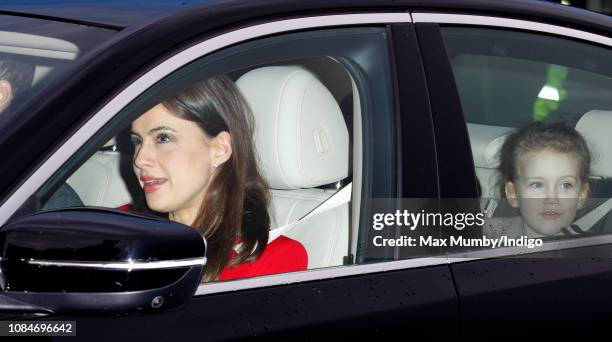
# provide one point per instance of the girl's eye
(163, 138)
(566, 185)
(535, 185)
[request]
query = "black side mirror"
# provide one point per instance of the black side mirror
(100, 261)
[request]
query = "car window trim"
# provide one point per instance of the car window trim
(525, 25)
(175, 62)
(319, 274)
(395, 265)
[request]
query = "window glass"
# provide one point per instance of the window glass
(510, 78)
(33, 52)
(537, 108)
(190, 140)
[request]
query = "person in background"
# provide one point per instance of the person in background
(15, 78)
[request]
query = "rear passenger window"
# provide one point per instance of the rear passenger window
(537, 109)
(308, 94)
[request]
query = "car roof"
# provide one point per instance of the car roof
(115, 14)
(119, 14)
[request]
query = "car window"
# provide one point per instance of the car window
(34, 52)
(308, 94)
(536, 107)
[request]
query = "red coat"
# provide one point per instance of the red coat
(280, 256)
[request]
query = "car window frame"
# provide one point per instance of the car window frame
(170, 65)
(494, 22)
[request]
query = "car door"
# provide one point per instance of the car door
(489, 76)
(362, 288)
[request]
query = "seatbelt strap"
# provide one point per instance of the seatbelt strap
(341, 197)
(587, 221)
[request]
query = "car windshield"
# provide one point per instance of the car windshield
(35, 52)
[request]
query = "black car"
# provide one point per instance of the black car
(364, 110)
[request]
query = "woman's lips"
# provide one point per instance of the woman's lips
(151, 184)
(550, 215)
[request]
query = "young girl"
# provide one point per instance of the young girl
(544, 172)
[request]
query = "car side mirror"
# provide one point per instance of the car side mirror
(102, 261)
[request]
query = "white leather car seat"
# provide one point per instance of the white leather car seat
(302, 143)
(486, 142)
(595, 128)
(99, 182)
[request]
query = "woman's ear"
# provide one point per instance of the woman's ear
(6, 94)
(511, 194)
(585, 193)
(222, 148)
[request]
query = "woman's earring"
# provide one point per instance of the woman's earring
(215, 165)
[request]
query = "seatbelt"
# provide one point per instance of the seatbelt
(586, 222)
(341, 197)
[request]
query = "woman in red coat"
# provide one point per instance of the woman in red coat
(195, 160)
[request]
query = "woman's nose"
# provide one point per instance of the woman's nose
(142, 157)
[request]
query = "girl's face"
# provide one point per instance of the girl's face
(174, 161)
(548, 190)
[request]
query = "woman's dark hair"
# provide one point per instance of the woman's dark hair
(236, 201)
(539, 136)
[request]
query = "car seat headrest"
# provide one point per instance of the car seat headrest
(486, 143)
(595, 128)
(300, 135)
